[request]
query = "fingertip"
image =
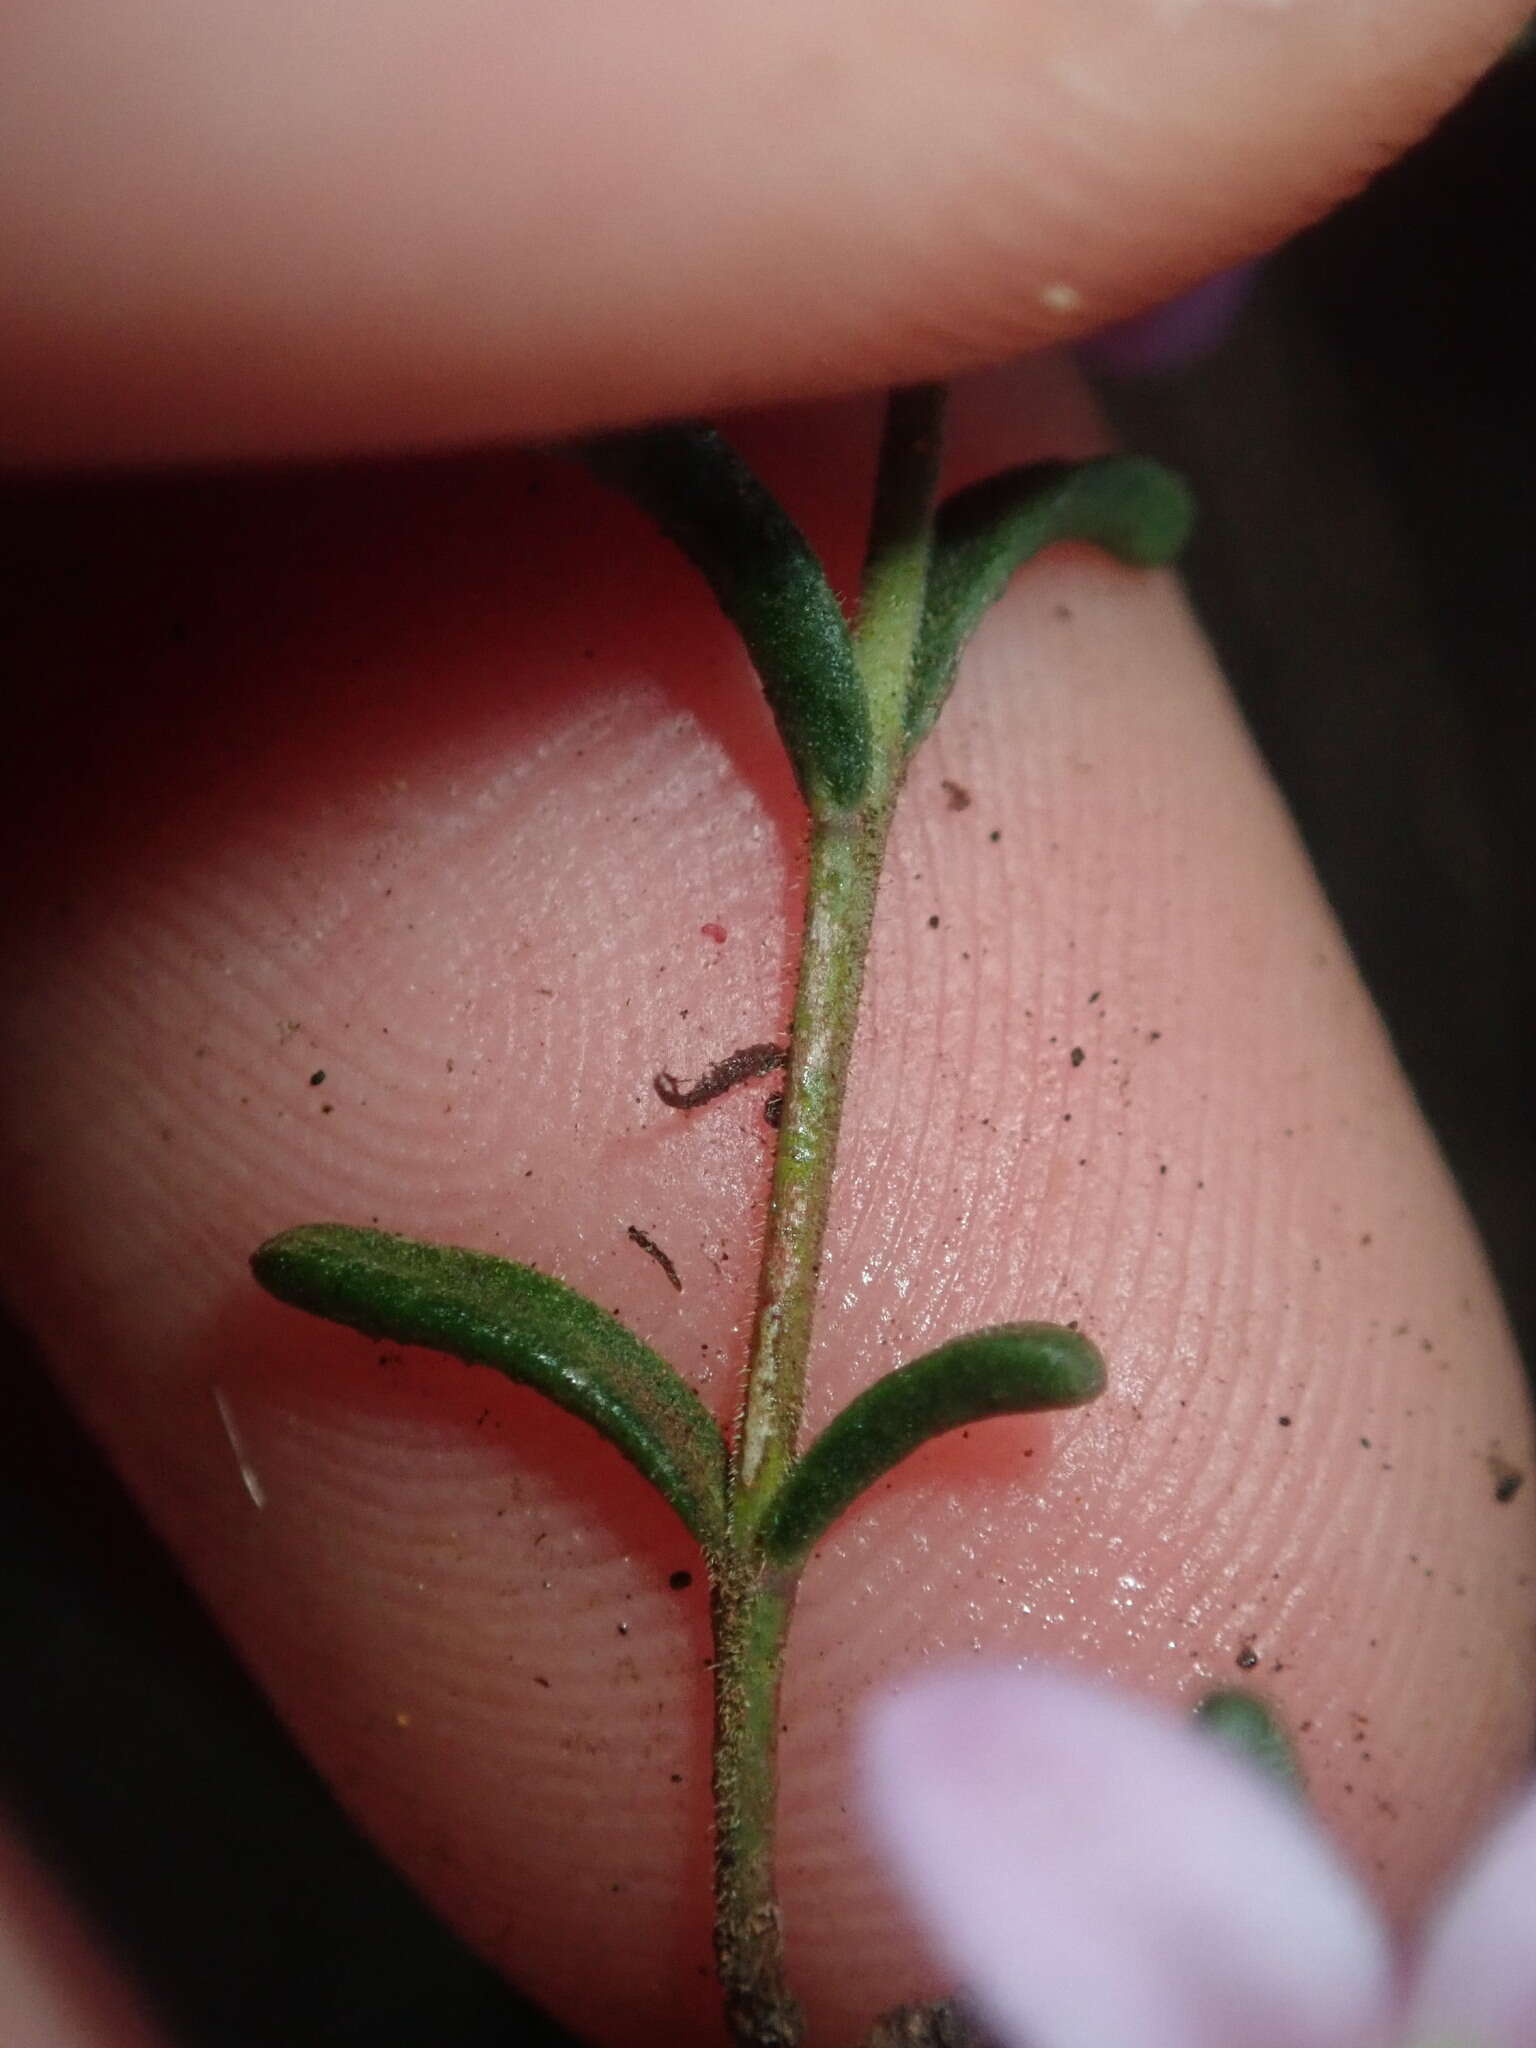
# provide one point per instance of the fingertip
(238, 235)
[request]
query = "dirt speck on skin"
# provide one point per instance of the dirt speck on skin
(653, 1250)
(680, 1581)
(956, 795)
(1247, 1658)
(1507, 1479)
(1078, 1055)
(725, 1074)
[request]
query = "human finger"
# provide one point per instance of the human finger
(237, 232)
(419, 818)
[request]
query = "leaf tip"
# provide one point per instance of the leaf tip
(1009, 1369)
(1154, 512)
(286, 1265)
(1244, 1724)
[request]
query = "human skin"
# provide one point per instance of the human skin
(429, 779)
(54, 1990)
(385, 223)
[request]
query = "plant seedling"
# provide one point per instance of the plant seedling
(852, 703)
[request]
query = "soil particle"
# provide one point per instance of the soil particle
(743, 1065)
(653, 1250)
(1507, 1479)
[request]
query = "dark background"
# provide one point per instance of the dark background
(1362, 449)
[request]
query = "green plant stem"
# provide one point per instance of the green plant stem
(847, 851)
(751, 1617)
(753, 1601)
(845, 855)
(896, 568)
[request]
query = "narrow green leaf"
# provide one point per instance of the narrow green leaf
(535, 1330)
(1247, 1727)
(770, 585)
(1015, 1369)
(1133, 508)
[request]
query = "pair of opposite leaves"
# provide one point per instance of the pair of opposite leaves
(541, 1333)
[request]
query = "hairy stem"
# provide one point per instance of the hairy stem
(753, 1602)
(751, 1615)
(846, 854)
(896, 566)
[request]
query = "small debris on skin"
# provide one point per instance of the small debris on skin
(653, 1250)
(773, 1108)
(956, 794)
(725, 1074)
(1507, 1479)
